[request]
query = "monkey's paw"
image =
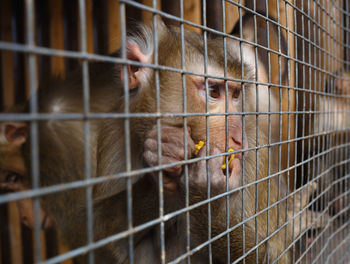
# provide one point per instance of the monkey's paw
(173, 150)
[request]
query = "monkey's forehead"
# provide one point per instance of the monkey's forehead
(211, 53)
(197, 51)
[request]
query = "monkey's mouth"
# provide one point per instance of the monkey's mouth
(235, 173)
(234, 164)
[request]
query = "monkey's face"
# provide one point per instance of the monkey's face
(12, 137)
(221, 100)
(213, 105)
(13, 171)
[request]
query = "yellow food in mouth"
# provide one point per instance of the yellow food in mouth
(232, 156)
(198, 147)
(201, 144)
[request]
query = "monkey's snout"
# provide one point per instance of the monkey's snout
(235, 172)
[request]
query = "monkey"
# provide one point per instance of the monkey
(61, 151)
(324, 106)
(325, 244)
(273, 249)
(13, 171)
(333, 121)
(218, 139)
(325, 233)
(330, 199)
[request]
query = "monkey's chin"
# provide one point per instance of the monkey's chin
(235, 173)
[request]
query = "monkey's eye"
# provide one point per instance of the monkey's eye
(214, 91)
(12, 177)
(236, 92)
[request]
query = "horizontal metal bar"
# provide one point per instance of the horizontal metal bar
(97, 116)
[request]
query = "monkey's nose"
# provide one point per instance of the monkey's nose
(235, 137)
(235, 142)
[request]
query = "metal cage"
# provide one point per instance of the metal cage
(300, 82)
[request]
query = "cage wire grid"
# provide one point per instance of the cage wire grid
(335, 157)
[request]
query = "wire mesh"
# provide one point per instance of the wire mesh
(116, 198)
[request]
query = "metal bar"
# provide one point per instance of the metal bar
(71, 54)
(243, 127)
(257, 136)
(159, 145)
(86, 107)
(129, 212)
(323, 147)
(227, 204)
(34, 142)
(184, 92)
(207, 130)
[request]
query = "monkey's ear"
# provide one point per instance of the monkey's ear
(16, 133)
(135, 74)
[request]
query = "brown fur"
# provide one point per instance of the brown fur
(62, 158)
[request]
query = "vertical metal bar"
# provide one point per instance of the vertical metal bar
(269, 124)
(86, 106)
(317, 102)
(340, 190)
(310, 118)
(336, 194)
(159, 138)
(327, 127)
(33, 106)
(279, 115)
(304, 120)
(243, 125)
(315, 162)
(334, 115)
(318, 162)
(295, 161)
(296, 143)
(288, 136)
(280, 127)
(324, 158)
(342, 101)
(204, 14)
(257, 143)
(328, 138)
(184, 89)
(346, 68)
(127, 130)
(307, 50)
(327, 159)
(332, 123)
(226, 133)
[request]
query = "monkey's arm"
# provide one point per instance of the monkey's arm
(240, 241)
(107, 222)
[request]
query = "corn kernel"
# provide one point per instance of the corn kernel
(232, 156)
(198, 147)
